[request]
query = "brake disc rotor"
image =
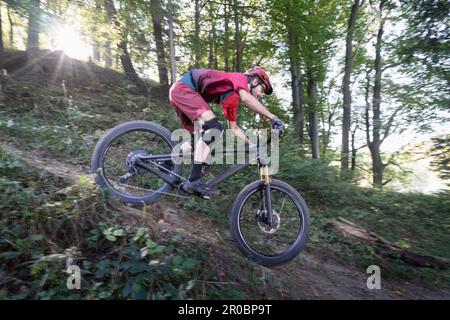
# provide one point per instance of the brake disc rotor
(264, 226)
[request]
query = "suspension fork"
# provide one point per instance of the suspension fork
(264, 175)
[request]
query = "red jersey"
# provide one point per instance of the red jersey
(219, 87)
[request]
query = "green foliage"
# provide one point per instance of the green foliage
(424, 42)
(144, 264)
(314, 25)
(45, 226)
(414, 221)
(441, 157)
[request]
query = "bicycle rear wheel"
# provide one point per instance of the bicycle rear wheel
(270, 245)
(112, 151)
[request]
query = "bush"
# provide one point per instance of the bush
(48, 225)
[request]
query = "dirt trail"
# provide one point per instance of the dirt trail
(309, 276)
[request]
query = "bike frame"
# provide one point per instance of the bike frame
(212, 182)
(174, 180)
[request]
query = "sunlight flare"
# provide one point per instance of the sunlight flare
(70, 40)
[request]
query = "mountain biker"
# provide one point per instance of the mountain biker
(190, 97)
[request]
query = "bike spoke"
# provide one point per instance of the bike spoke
(141, 183)
(254, 226)
(282, 206)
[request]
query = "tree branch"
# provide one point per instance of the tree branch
(364, 169)
(353, 140)
(232, 5)
(389, 124)
(367, 120)
(392, 65)
(391, 160)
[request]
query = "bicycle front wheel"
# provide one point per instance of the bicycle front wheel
(270, 244)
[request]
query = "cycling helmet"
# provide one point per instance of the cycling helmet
(262, 77)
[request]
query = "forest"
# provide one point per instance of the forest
(362, 86)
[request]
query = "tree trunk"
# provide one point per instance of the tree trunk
(312, 115)
(197, 49)
(215, 60)
(173, 62)
(354, 150)
(1, 35)
(156, 13)
(386, 248)
(314, 135)
(298, 99)
(96, 51)
(108, 54)
(325, 130)
(210, 50)
(11, 28)
(212, 47)
(225, 40)
(125, 58)
(353, 159)
(237, 38)
(128, 67)
(377, 165)
(346, 121)
(33, 26)
(108, 51)
(301, 114)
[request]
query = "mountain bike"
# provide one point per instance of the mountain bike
(269, 219)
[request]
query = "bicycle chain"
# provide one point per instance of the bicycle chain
(143, 189)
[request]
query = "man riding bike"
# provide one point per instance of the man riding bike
(190, 97)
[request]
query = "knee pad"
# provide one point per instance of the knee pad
(207, 127)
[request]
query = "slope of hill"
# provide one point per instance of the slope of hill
(52, 216)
